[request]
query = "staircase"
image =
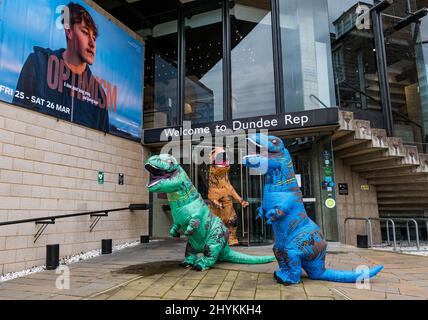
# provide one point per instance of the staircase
(398, 171)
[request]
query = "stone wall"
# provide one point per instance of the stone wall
(358, 203)
(50, 167)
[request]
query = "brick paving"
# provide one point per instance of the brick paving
(151, 271)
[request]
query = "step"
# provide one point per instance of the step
(372, 157)
(402, 207)
(423, 162)
(412, 155)
(402, 194)
(378, 142)
(421, 178)
(395, 172)
(346, 125)
(396, 147)
(360, 149)
(362, 134)
(404, 201)
(403, 187)
(382, 165)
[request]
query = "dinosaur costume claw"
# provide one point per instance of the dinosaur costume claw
(299, 242)
(206, 233)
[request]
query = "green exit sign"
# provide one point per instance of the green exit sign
(101, 177)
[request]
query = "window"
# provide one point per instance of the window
(253, 87)
(204, 67)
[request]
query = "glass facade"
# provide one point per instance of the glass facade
(405, 77)
(242, 59)
(161, 76)
(422, 66)
(203, 100)
(306, 55)
(253, 87)
(226, 60)
(356, 65)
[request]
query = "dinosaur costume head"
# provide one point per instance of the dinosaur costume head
(166, 175)
(270, 153)
(219, 161)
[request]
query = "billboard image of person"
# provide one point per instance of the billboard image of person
(75, 70)
(64, 75)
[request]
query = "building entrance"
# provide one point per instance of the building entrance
(251, 230)
(312, 159)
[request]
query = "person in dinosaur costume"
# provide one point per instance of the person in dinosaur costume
(299, 243)
(221, 193)
(206, 233)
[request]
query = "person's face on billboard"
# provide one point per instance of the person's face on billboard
(83, 42)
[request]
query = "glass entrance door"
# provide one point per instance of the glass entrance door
(251, 230)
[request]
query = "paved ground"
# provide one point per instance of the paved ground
(150, 271)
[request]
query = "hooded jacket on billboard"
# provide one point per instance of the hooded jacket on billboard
(47, 85)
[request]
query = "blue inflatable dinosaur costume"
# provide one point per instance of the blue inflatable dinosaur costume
(299, 243)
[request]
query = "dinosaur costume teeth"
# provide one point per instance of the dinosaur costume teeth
(206, 233)
(157, 175)
(299, 243)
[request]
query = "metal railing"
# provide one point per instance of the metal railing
(393, 221)
(45, 221)
(394, 237)
(368, 228)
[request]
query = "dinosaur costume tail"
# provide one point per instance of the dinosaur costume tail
(348, 276)
(242, 258)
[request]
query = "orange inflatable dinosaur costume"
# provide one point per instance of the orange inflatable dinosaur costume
(221, 193)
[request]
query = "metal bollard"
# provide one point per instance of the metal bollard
(144, 239)
(362, 241)
(106, 246)
(52, 256)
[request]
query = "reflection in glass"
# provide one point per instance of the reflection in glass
(253, 90)
(306, 55)
(355, 66)
(204, 68)
(407, 75)
(422, 65)
(160, 76)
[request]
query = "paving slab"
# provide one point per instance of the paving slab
(151, 271)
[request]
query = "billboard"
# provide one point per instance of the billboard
(66, 60)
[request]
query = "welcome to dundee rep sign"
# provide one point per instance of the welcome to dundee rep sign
(64, 59)
(298, 120)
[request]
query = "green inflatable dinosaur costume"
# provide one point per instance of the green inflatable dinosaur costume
(206, 233)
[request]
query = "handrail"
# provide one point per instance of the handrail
(319, 101)
(388, 220)
(408, 220)
(392, 221)
(368, 230)
(45, 221)
(131, 207)
(379, 102)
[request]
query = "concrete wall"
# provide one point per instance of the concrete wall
(50, 167)
(358, 203)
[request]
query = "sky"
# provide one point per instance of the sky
(119, 58)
